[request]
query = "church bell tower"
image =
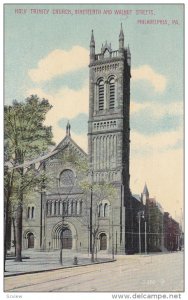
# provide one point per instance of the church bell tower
(109, 106)
(109, 118)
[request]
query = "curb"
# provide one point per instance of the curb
(13, 257)
(60, 268)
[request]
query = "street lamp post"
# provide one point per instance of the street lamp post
(145, 237)
(91, 220)
(111, 224)
(61, 234)
(88, 229)
(41, 213)
(61, 237)
(42, 210)
(141, 214)
(112, 234)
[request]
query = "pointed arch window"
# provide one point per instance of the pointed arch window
(101, 94)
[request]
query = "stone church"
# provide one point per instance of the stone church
(62, 214)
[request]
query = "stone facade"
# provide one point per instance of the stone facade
(108, 127)
(63, 206)
(86, 201)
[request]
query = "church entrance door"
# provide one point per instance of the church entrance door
(66, 238)
(103, 241)
(30, 240)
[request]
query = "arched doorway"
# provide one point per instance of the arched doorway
(31, 241)
(66, 231)
(103, 241)
(66, 238)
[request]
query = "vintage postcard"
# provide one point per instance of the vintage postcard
(94, 149)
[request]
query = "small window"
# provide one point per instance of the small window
(76, 207)
(59, 204)
(28, 212)
(50, 208)
(64, 208)
(69, 207)
(100, 210)
(106, 210)
(72, 207)
(80, 207)
(55, 207)
(32, 212)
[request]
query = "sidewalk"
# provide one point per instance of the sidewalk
(38, 261)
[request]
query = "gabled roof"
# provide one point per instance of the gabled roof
(28, 163)
(68, 141)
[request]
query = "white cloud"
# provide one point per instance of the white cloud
(67, 103)
(158, 109)
(158, 143)
(60, 62)
(156, 161)
(163, 173)
(145, 72)
(138, 107)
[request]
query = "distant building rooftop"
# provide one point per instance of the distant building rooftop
(137, 196)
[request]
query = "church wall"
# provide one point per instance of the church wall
(108, 147)
(31, 219)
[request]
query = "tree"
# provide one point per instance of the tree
(96, 192)
(8, 184)
(26, 137)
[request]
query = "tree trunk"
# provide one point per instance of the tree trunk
(19, 232)
(7, 228)
(93, 251)
(7, 217)
(5, 231)
(14, 235)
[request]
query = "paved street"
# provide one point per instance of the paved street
(157, 272)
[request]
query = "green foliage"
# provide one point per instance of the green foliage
(26, 137)
(101, 191)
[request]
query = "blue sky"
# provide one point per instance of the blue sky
(48, 55)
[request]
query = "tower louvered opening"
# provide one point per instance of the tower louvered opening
(112, 94)
(101, 95)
